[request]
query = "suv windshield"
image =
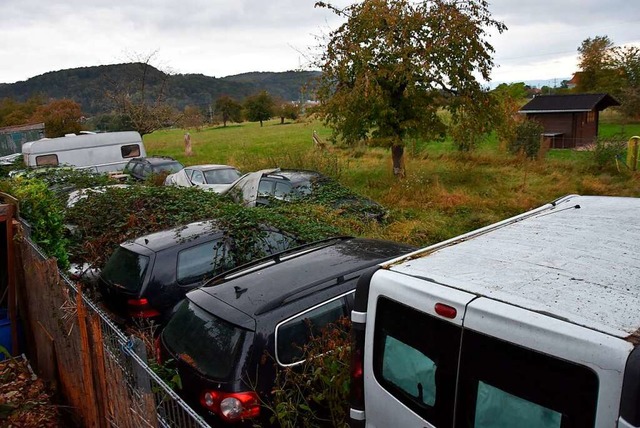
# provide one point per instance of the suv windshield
(126, 269)
(207, 343)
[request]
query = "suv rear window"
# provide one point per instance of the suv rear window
(171, 167)
(207, 343)
(126, 269)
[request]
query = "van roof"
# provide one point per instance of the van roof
(576, 259)
(49, 145)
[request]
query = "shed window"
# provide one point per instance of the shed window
(130, 151)
(47, 160)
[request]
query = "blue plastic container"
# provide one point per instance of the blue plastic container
(5, 332)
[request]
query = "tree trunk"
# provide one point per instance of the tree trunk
(397, 155)
(281, 120)
(261, 124)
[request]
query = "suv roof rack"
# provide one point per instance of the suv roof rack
(273, 259)
(300, 292)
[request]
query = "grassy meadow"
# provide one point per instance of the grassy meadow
(445, 193)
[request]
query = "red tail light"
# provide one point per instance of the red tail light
(232, 407)
(445, 310)
(140, 308)
(356, 393)
(357, 378)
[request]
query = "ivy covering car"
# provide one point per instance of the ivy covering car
(145, 278)
(260, 188)
(215, 178)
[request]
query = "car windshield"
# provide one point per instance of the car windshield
(171, 168)
(303, 188)
(126, 269)
(221, 176)
(207, 343)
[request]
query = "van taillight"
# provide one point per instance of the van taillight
(140, 308)
(232, 407)
(356, 392)
(445, 310)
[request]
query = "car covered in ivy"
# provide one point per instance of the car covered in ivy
(145, 278)
(261, 188)
(215, 178)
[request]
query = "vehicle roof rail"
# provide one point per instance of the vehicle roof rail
(274, 259)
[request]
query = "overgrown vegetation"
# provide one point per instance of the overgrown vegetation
(40, 207)
(527, 139)
(105, 220)
(315, 393)
(609, 153)
(444, 194)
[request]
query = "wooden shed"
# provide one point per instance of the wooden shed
(569, 121)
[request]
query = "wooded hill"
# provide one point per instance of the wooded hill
(88, 86)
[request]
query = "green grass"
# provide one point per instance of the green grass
(445, 192)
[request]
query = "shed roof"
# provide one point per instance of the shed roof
(578, 259)
(569, 103)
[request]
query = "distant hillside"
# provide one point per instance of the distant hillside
(88, 85)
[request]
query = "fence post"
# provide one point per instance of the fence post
(91, 407)
(632, 153)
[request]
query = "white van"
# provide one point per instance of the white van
(530, 322)
(100, 152)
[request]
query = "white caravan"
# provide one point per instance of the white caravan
(530, 322)
(105, 152)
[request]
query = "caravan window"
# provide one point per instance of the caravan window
(130, 151)
(47, 160)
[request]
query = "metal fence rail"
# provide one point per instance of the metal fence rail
(113, 385)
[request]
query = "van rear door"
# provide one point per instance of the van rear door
(523, 368)
(410, 361)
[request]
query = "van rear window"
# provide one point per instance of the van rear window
(130, 151)
(126, 269)
(207, 343)
(47, 160)
(415, 358)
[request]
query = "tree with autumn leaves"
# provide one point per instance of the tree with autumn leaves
(394, 65)
(60, 117)
(606, 67)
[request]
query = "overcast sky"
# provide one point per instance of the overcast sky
(225, 37)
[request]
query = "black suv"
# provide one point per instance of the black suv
(147, 277)
(220, 334)
(144, 167)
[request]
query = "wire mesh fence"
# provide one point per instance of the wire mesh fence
(103, 374)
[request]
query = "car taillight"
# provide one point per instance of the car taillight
(231, 407)
(357, 366)
(140, 308)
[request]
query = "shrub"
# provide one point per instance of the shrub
(316, 393)
(609, 151)
(44, 212)
(527, 139)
